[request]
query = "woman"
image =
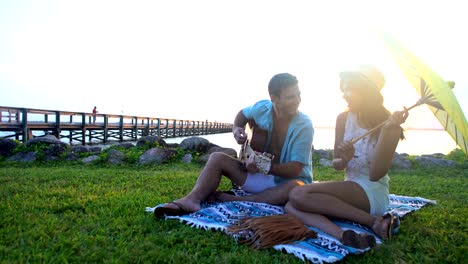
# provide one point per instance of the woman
(363, 196)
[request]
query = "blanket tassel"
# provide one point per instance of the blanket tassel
(268, 231)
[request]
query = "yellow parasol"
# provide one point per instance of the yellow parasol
(434, 91)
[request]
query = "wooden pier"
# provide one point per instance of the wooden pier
(85, 128)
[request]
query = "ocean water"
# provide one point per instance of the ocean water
(417, 142)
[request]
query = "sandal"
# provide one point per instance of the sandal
(355, 240)
(395, 225)
(392, 228)
(161, 211)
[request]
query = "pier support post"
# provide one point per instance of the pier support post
(158, 127)
(105, 129)
(83, 129)
(24, 125)
(121, 128)
(57, 125)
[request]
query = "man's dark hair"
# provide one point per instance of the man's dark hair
(279, 82)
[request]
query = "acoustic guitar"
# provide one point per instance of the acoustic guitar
(255, 145)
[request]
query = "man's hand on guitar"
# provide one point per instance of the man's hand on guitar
(251, 165)
(239, 135)
(252, 154)
(257, 162)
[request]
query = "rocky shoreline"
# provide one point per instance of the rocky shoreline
(154, 150)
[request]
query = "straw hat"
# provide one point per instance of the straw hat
(367, 72)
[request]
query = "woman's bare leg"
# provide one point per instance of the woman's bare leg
(346, 200)
(319, 221)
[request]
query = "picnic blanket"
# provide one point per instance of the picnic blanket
(323, 249)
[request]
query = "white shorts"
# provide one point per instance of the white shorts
(258, 182)
(377, 194)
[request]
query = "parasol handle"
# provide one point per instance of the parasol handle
(378, 126)
(368, 132)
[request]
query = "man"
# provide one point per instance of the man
(289, 139)
(94, 114)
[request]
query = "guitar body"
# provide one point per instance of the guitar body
(254, 147)
(256, 137)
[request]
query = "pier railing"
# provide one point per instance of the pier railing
(86, 128)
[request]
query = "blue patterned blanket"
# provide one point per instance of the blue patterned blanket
(323, 249)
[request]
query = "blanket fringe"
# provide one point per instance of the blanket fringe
(268, 231)
(196, 224)
(304, 255)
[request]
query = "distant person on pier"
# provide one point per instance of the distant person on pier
(94, 114)
(289, 134)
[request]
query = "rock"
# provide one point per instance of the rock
(23, 157)
(211, 145)
(80, 149)
(48, 139)
(50, 158)
(431, 161)
(198, 144)
(95, 150)
(54, 147)
(172, 145)
(157, 155)
(187, 158)
(325, 162)
(72, 156)
(400, 162)
(86, 149)
(436, 155)
(204, 158)
(326, 154)
(90, 159)
(7, 147)
(151, 142)
(125, 145)
(55, 150)
(229, 151)
(115, 156)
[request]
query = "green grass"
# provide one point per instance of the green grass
(81, 214)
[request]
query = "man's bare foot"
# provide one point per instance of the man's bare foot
(226, 197)
(220, 197)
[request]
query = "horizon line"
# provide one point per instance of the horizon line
(405, 128)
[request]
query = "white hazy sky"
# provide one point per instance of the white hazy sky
(208, 59)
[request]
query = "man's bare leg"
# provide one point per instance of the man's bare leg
(209, 179)
(277, 195)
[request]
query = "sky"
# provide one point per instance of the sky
(205, 60)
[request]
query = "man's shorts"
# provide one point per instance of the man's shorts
(258, 182)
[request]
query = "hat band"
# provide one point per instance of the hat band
(370, 81)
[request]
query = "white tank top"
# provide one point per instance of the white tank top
(358, 167)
